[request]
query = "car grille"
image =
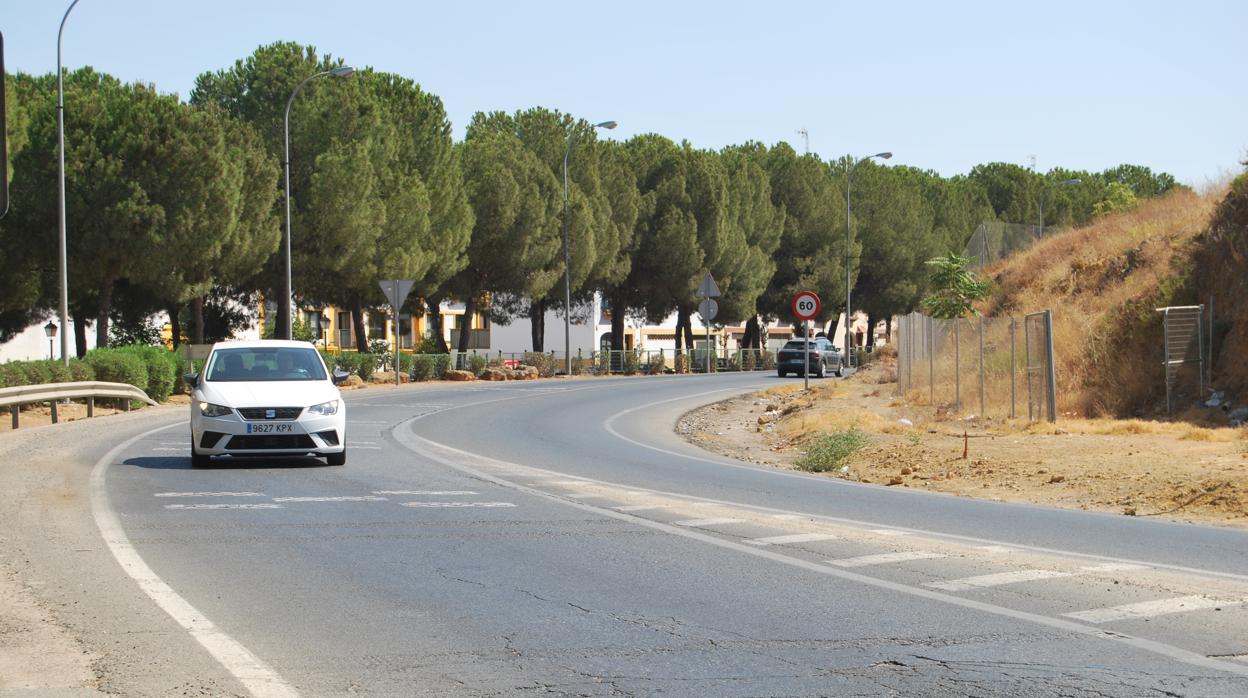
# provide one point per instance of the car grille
(282, 442)
(260, 414)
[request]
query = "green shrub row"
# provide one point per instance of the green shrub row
(830, 451)
(429, 366)
(15, 374)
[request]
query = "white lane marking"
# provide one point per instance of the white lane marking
(816, 481)
(457, 459)
(698, 523)
(641, 507)
(885, 558)
(1148, 609)
(357, 447)
(787, 517)
(1114, 567)
(996, 549)
(257, 677)
(583, 495)
(792, 538)
(208, 494)
(223, 506)
(889, 532)
(363, 421)
(455, 505)
(431, 493)
(570, 483)
(175, 449)
(362, 498)
(996, 580)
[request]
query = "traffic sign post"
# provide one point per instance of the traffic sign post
(396, 291)
(806, 308)
(708, 309)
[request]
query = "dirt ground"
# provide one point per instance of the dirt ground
(1136, 468)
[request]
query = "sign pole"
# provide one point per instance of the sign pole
(806, 356)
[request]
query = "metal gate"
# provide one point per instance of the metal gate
(1183, 349)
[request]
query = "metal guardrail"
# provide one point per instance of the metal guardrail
(14, 398)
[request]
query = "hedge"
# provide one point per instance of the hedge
(14, 374)
(117, 366)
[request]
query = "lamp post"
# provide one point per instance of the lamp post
(50, 330)
(341, 71)
(849, 175)
(60, 144)
(1045, 193)
(567, 263)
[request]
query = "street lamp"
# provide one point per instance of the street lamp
(1045, 193)
(50, 330)
(567, 263)
(60, 143)
(341, 71)
(849, 175)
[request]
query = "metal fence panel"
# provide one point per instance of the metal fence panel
(1183, 353)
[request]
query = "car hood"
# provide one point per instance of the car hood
(268, 393)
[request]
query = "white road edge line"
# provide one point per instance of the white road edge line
(698, 523)
(885, 558)
(252, 672)
(771, 472)
(435, 451)
(792, 538)
(985, 581)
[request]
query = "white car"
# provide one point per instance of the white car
(267, 398)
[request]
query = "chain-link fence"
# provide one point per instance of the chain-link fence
(973, 365)
(994, 240)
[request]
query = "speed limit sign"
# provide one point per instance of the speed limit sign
(806, 305)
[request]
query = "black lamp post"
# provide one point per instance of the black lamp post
(50, 330)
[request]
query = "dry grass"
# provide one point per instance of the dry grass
(1103, 282)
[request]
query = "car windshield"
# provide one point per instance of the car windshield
(265, 364)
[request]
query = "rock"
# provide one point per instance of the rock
(1239, 415)
(1128, 511)
(907, 471)
(1056, 479)
(353, 381)
(525, 373)
(905, 422)
(894, 480)
(765, 418)
(494, 373)
(457, 375)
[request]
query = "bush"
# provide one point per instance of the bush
(348, 361)
(37, 372)
(581, 365)
(81, 370)
(657, 364)
(632, 362)
(427, 345)
(162, 369)
(769, 360)
(423, 366)
(682, 363)
(367, 366)
(12, 375)
(831, 450)
(545, 364)
(117, 366)
(476, 364)
(749, 360)
(405, 363)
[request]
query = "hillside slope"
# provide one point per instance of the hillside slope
(1104, 282)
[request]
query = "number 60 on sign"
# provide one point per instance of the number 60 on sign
(806, 305)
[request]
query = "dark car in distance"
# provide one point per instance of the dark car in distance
(822, 359)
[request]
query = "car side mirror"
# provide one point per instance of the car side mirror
(191, 379)
(340, 376)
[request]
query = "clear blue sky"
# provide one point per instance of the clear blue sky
(945, 85)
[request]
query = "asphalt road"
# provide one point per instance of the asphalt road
(556, 537)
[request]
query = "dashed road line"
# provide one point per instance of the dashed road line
(583, 495)
(185, 507)
(792, 538)
(1149, 609)
(998, 579)
(362, 498)
(456, 505)
(699, 523)
(885, 558)
(996, 549)
(1114, 567)
(889, 532)
(640, 507)
(427, 493)
(208, 494)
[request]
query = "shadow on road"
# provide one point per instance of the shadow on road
(230, 463)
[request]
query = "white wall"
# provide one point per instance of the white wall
(32, 343)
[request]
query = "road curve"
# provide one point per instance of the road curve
(557, 537)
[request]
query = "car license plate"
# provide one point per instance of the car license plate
(269, 428)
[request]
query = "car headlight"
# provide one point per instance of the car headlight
(210, 410)
(325, 408)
